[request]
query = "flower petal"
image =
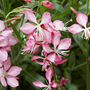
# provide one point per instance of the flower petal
(49, 74)
(75, 28)
(35, 49)
(3, 55)
(2, 26)
(54, 84)
(14, 71)
(51, 57)
(35, 57)
(3, 82)
(46, 48)
(46, 18)
(64, 44)
(7, 64)
(82, 19)
(27, 28)
(39, 84)
(56, 38)
(58, 24)
(12, 81)
(30, 16)
(13, 40)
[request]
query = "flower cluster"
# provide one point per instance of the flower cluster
(6, 40)
(45, 34)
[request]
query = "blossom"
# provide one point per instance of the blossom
(47, 4)
(29, 28)
(51, 84)
(82, 19)
(59, 45)
(10, 75)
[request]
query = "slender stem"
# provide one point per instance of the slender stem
(56, 80)
(87, 7)
(37, 10)
(58, 8)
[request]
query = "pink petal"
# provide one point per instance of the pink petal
(13, 40)
(3, 55)
(6, 48)
(56, 38)
(7, 32)
(3, 82)
(27, 28)
(3, 41)
(46, 18)
(58, 24)
(2, 26)
(45, 63)
(75, 28)
(35, 57)
(30, 16)
(47, 36)
(39, 84)
(35, 49)
(51, 57)
(46, 48)
(12, 81)
(30, 43)
(7, 64)
(54, 84)
(14, 71)
(82, 19)
(49, 74)
(64, 44)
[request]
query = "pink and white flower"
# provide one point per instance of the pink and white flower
(82, 19)
(10, 76)
(51, 84)
(29, 28)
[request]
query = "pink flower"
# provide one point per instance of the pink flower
(29, 28)
(82, 19)
(10, 75)
(28, 1)
(49, 75)
(62, 81)
(47, 4)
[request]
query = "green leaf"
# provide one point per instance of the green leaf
(72, 59)
(2, 87)
(17, 33)
(73, 87)
(12, 88)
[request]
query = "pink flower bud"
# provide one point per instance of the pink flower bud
(74, 10)
(28, 1)
(47, 4)
(89, 59)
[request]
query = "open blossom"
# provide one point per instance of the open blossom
(82, 19)
(9, 77)
(47, 4)
(51, 84)
(59, 45)
(29, 28)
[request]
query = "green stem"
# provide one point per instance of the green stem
(58, 8)
(55, 78)
(87, 7)
(37, 9)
